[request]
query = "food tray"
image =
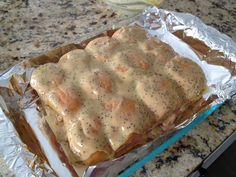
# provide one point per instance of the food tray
(20, 105)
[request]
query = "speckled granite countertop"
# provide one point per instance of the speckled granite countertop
(31, 27)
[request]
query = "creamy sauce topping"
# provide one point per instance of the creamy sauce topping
(115, 87)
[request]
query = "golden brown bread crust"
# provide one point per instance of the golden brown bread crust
(132, 142)
(160, 89)
(162, 93)
(96, 157)
(130, 35)
(102, 53)
(57, 127)
(188, 75)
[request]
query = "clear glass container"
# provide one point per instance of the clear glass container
(132, 6)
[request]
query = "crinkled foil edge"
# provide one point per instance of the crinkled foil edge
(17, 157)
(154, 18)
(14, 151)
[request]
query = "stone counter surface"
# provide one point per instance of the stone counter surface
(31, 27)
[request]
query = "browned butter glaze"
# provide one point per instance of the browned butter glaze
(115, 89)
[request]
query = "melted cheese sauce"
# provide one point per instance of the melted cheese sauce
(115, 87)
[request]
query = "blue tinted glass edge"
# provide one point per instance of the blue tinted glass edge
(134, 167)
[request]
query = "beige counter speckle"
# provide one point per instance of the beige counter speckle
(32, 27)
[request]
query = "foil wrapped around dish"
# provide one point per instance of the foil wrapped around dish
(28, 151)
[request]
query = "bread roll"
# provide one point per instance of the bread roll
(115, 92)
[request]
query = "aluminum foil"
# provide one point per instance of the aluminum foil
(157, 22)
